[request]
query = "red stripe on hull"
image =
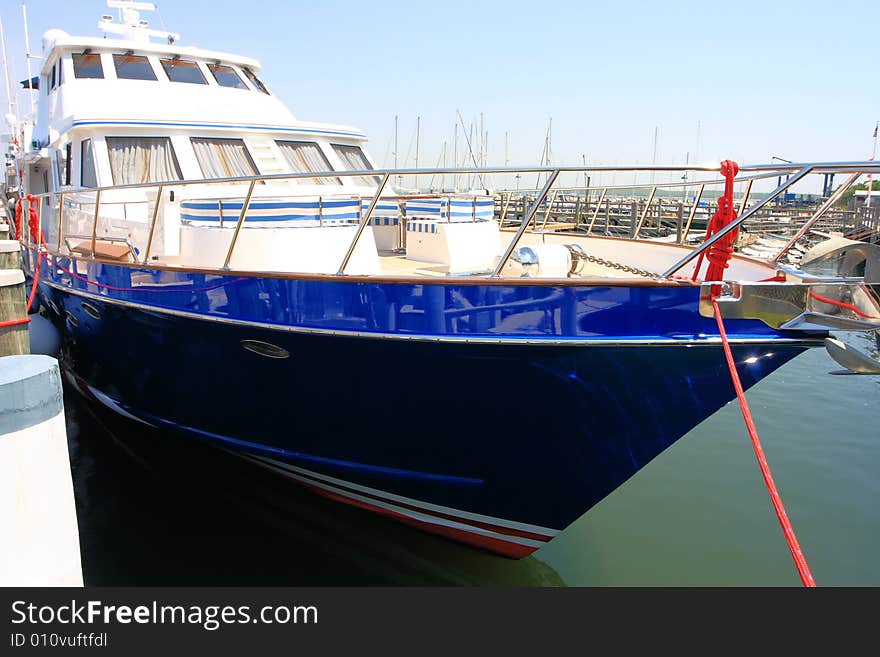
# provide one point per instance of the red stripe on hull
(489, 543)
(498, 529)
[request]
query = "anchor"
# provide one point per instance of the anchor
(844, 257)
(836, 286)
(851, 359)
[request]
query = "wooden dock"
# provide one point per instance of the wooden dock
(14, 336)
(678, 220)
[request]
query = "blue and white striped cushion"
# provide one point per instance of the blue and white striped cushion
(426, 208)
(456, 208)
(385, 213)
(421, 226)
(271, 213)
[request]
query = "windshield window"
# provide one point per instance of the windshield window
(258, 84)
(133, 67)
(179, 70)
(87, 66)
(226, 76)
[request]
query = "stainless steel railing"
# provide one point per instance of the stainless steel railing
(794, 173)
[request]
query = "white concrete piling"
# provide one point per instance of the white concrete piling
(39, 535)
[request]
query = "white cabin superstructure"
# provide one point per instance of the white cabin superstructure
(128, 111)
(99, 88)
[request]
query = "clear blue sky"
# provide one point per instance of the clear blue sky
(797, 80)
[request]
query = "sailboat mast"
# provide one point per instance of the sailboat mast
(6, 70)
(27, 54)
(443, 177)
(684, 177)
(418, 134)
(471, 149)
(483, 139)
(873, 155)
(654, 157)
(586, 177)
(455, 157)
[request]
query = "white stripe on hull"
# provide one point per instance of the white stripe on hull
(510, 524)
(112, 404)
(415, 515)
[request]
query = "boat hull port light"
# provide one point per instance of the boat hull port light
(91, 310)
(265, 349)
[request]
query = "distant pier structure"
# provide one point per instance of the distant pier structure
(649, 213)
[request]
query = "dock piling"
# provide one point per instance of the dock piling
(39, 535)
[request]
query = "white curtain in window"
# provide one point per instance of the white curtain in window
(142, 160)
(223, 158)
(354, 159)
(303, 156)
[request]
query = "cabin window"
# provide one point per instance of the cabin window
(52, 77)
(60, 69)
(353, 158)
(59, 167)
(133, 67)
(62, 165)
(304, 156)
(226, 76)
(87, 66)
(87, 176)
(179, 70)
(223, 158)
(142, 160)
(258, 84)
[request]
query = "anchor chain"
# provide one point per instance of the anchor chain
(611, 264)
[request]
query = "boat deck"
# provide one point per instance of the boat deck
(397, 264)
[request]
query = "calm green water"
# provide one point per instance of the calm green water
(154, 510)
(700, 514)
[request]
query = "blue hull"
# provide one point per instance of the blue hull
(421, 413)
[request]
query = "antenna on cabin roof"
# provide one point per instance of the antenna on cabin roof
(131, 25)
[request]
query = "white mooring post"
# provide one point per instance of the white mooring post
(39, 536)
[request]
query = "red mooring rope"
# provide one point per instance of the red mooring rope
(719, 255)
(794, 547)
(33, 220)
(841, 304)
